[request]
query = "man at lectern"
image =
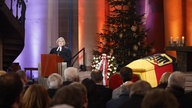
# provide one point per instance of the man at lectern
(62, 51)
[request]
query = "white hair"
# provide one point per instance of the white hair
(61, 39)
(176, 79)
(54, 80)
(71, 74)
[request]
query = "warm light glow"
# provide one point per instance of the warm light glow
(80, 21)
(173, 18)
(81, 27)
(188, 22)
(101, 17)
(91, 18)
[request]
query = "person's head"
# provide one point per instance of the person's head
(89, 84)
(14, 67)
(54, 81)
(176, 79)
(126, 74)
(69, 95)
(22, 76)
(97, 76)
(11, 89)
(71, 74)
(140, 87)
(164, 78)
(83, 89)
(60, 41)
(36, 96)
(2, 72)
(159, 98)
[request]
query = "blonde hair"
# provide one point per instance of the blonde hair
(61, 39)
(36, 96)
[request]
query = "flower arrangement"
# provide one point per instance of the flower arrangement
(105, 63)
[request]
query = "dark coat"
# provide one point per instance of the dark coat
(65, 54)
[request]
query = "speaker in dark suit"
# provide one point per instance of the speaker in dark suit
(62, 51)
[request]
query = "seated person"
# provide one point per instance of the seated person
(54, 82)
(71, 74)
(11, 89)
(23, 78)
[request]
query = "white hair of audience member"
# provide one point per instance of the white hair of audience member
(54, 81)
(62, 106)
(140, 87)
(176, 79)
(71, 74)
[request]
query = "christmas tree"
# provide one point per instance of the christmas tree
(124, 35)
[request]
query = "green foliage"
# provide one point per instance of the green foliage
(123, 36)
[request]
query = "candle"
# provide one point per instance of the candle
(171, 40)
(177, 40)
(183, 40)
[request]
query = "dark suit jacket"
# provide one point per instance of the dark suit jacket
(117, 102)
(65, 54)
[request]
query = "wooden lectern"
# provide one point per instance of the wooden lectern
(49, 64)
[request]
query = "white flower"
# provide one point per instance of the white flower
(135, 47)
(134, 28)
(121, 35)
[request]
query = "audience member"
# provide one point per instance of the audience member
(176, 85)
(10, 90)
(126, 76)
(137, 92)
(83, 89)
(14, 67)
(68, 95)
(159, 98)
(36, 96)
(134, 98)
(104, 94)
(91, 92)
(164, 80)
(71, 74)
(54, 82)
(124, 97)
(23, 78)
